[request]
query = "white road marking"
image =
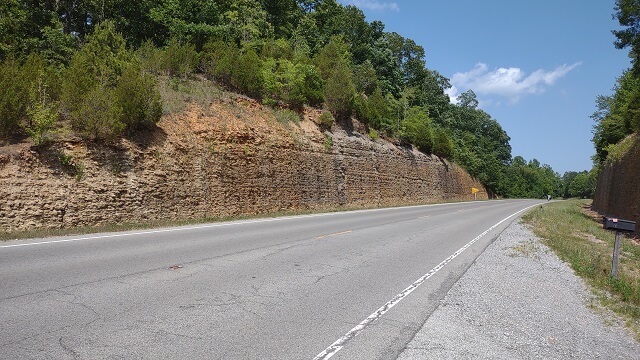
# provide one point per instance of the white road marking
(340, 343)
(208, 226)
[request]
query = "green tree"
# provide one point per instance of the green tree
(531, 180)
(218, 60)
(331, 57)
(283, 15)
(104, 91)
(339, 92)
(246, 22)
(333, 62)
(247, 74)
(42, 106)
(138, 98)
(179, 59)
(374, 110)
(628, 15)
(567, 179)
(188, 21)
(388, 67)
(442, 144)
(27, 27)
(616, 116)
(97, 116)
(417, 129)
(365, 78)
(430, 93)
(13, 98)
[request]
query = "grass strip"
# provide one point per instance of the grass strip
(576, 235)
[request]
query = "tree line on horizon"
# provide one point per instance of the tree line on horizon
(94, 66)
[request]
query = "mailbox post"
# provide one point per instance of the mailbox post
(619, 226)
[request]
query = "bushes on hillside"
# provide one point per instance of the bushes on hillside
(104, 92)
(417, 129)
(136, 95)
(291, 83)
(28, 97)
(13, 98)
(442, 144)
(42, 111)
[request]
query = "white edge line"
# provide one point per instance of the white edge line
(207, 226)
(338, 344)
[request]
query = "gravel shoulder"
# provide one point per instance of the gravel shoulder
(520, 301)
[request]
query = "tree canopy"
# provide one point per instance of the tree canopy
(618, 115)
(292, 53)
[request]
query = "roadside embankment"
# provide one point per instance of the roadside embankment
(233, 158)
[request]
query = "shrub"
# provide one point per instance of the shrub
(328, 142)
(326, 120)
(41, 112)
(42, 108)
(442, 144)
(179, 59)
(217, 61)
(293, 84)
(151, 58)
(373, 134)
(98, 115)
(138, 98)
(309, 84)
(246, 74)
(417, 130)
(339, 93)
(286, 116)
(105, 91)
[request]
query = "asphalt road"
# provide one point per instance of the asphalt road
(355, 285)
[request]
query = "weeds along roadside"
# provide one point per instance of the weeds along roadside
(579, 239)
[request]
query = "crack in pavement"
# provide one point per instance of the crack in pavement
(67, 349)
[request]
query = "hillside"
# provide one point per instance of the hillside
(231, 157)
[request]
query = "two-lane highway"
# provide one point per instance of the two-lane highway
(349, 285)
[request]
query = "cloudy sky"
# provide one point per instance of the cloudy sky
(536, 66)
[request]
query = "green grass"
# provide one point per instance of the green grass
(286, 116)
(177, 94)
(580, 240)
(619, 150)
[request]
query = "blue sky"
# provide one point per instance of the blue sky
(536, 66)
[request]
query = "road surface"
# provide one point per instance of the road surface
(350, 285)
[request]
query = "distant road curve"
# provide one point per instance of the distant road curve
(344, 285)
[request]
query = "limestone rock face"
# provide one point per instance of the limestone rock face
(230, 159)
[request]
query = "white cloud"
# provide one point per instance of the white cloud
(453, 93)
(511, 83)
(375, 5)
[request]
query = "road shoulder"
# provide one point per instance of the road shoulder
(520, 301)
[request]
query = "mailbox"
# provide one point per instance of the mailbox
(619, 224)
